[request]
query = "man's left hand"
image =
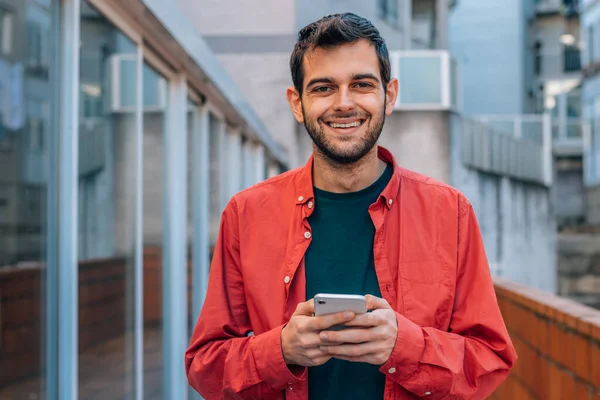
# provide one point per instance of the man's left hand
(368, 338)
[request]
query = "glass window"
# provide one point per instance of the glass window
(27, 243)
(107, 182)
(154, 136)
(388, 10)
(215, 140)
(6, 31)
(423, 23)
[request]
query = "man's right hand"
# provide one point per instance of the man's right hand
(300, 339)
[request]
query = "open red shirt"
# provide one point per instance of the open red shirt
(431, 266)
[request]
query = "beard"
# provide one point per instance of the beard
(346, 155)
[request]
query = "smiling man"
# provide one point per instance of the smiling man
(351, 221)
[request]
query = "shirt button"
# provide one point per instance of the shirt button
(310, 204)
(290, 387)
(392, 370)
(390, 201)
(427, 393)
(307, 235)
(300, 198)
(286, 279)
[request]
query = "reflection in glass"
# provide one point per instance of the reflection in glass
(27, 124)
(107, 176)
(215, 144)
(155, 101)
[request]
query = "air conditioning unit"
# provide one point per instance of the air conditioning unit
(123, 86)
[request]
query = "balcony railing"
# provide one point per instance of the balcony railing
(504, 148)
(557, 64)
(428, 80)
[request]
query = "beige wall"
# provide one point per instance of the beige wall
(420, 142)
(252, 17)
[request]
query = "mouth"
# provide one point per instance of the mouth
(346, 126)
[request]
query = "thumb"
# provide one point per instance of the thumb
(376, 303)
(305, 308)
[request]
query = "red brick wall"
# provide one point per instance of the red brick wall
(558, 344)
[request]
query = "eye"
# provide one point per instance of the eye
(321, 89)
(363, 85)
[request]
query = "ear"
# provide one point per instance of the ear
(391, 96)
(295, 101)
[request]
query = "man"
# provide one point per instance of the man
(352, 222)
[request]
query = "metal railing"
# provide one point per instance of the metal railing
(559, 63)
(427, 80)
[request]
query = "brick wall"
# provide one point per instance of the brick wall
(558, 343)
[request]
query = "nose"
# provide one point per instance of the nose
(343, 100)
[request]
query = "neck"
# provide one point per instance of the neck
(346, 178)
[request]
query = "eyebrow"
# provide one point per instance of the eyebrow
(319, 80)
(355, 77)
(359, 77)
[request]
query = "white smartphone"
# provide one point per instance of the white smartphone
(332, 303)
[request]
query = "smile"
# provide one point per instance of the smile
(354, 124)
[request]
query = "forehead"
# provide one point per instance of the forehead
(341, 62)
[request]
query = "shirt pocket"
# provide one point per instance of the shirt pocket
(425, 271)
(427, 293)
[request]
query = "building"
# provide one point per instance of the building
(429, 114)
(590, 32)
(543, 76)
(121, 140)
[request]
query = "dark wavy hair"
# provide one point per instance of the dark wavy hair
(335, 30)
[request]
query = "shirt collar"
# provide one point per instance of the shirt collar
(389, 194)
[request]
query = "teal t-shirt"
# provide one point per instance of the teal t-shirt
(340, 260)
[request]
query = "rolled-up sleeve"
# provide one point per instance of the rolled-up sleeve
(222, 360)
(472, 358)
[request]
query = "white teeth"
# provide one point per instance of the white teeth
(351, 125)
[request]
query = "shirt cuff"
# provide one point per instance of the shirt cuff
(271, 366)
(408, 350)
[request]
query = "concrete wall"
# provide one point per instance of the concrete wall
(394, 34)
(515, 218)
(487, 38)
(247, 17)
(419, 140)
(263, 79)
(579, 268)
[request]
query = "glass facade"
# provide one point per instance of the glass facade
(88, 222)
(106, 209)
(28, 129)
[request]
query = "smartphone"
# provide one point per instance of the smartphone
(332, 303)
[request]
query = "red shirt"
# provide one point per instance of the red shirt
(431, 266)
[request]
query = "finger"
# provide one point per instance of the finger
(374, 318)
(315, 353)
(309, 340)
(375, 303)
(305, 308)
(353, 350)
(349, 336)
(327, 321)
